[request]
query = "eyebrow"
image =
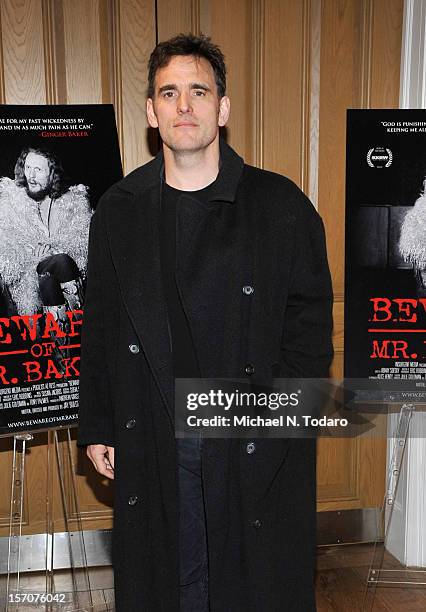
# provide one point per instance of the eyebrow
(200, 86)
(174, 87)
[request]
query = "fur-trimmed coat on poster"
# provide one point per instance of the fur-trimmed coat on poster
(21, 229)
(412, 240)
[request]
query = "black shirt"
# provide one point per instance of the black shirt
(185, 363)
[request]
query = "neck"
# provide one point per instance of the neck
(191, 170)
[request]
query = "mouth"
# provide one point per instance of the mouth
(185, 124)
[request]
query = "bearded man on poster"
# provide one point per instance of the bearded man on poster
(202, 266)
(44, 230)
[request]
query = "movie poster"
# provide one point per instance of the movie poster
(385, 283)
(56, 163)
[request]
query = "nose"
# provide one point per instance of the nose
(184, 103)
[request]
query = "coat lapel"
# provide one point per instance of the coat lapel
(135, 247)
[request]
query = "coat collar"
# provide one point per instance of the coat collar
(224, 188)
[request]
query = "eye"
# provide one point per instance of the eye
(199, 93)
(168, 94)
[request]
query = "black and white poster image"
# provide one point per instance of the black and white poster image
(385, 283)
(56, 162)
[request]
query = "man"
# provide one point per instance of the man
(44, 227)
(214, 269)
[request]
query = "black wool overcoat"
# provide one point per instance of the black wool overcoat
(256, 230)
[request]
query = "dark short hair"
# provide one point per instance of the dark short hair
(58, 186)
(187, 44)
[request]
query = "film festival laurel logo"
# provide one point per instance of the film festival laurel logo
(379, 157)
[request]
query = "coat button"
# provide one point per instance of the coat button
(249, 369)
(248, 289)
(133, 500)
(250, 448)
(257, 524)
(133, 348)
(130, 424)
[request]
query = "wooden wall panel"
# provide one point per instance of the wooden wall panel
(310, 174)
(343, 58)
(23, 51)
(283, 91)
(82, 51)
(54, 52)
(177, 16)
(136, 41)
(385, 53)
(340, 89)
(338, 474)
(360, 59)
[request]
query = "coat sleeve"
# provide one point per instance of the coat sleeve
(306, 344)
(95, 401)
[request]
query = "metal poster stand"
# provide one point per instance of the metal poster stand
(378, 576)
(60, 469)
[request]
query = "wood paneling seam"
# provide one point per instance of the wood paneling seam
(305, 90)
(314, 99)
(366, 53)
(406, 59)
(49, 52)
(117, 85)
(258, 37)
(195, 17)
(2, 88)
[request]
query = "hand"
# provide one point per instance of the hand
(42, 249)
(102, 458)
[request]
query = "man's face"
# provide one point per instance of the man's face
(185, 106)
(37, 173)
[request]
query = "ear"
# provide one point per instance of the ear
(150, 113)
(224, 110)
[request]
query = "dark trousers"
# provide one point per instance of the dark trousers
(193, 556)
(52, 271)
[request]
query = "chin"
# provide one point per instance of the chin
(188, 144)
(37, 194)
